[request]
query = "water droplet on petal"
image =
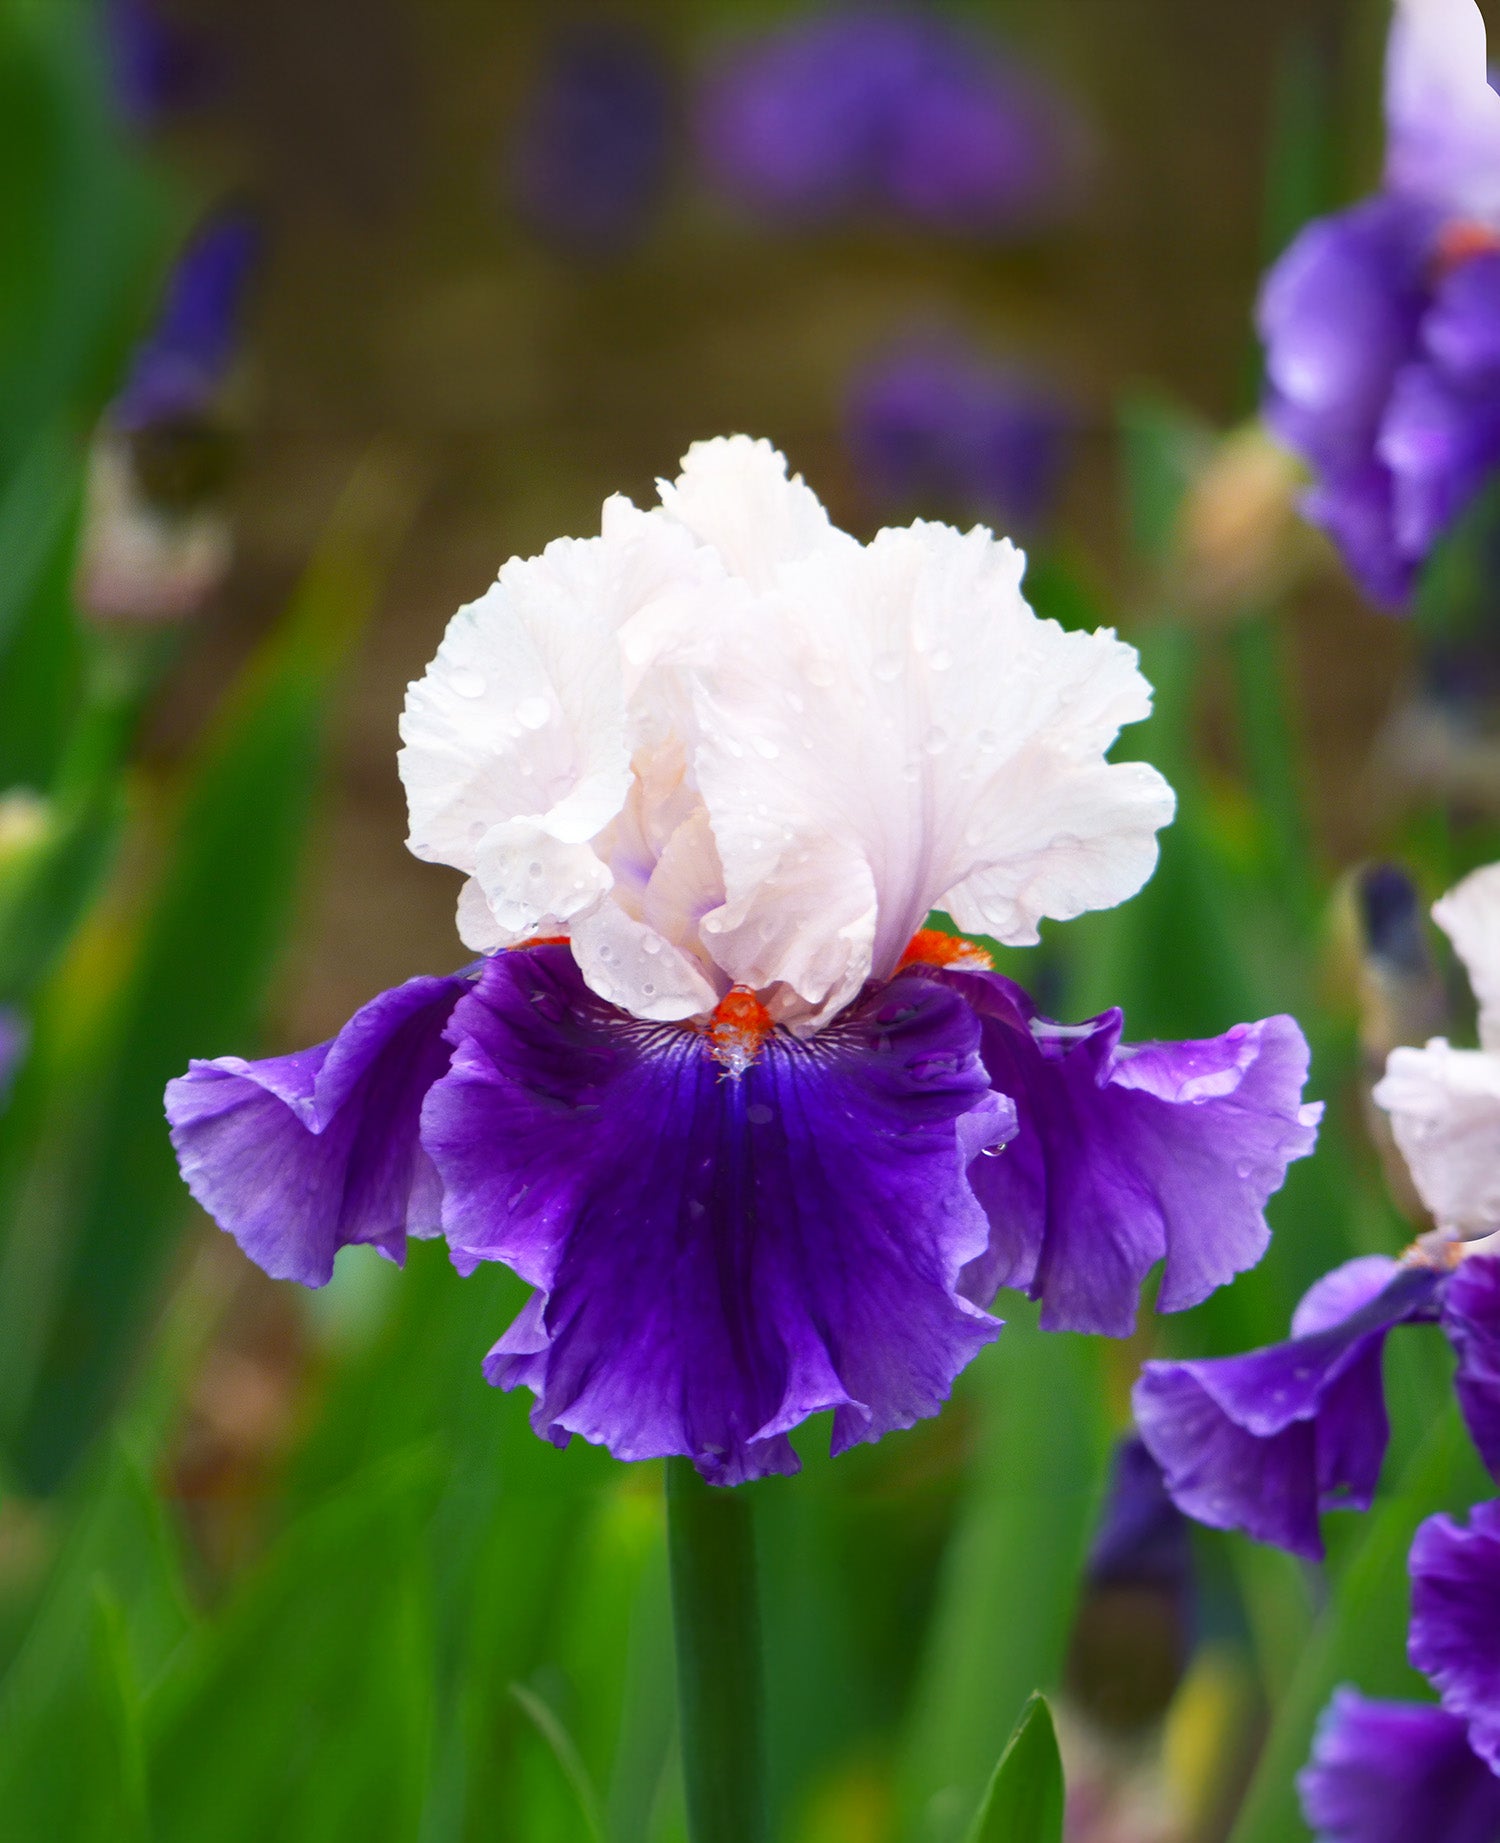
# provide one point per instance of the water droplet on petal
(651, 945)
(533, 713)
(935, 741)
(887, 667)
(941, 660)
(758, 1114)
(606, 952)
(765, 748)
(647, 989)
(468, 684)
(534, 868)
(988, 742)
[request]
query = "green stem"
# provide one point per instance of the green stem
(712, 1545)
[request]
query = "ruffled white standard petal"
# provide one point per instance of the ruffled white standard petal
(517, 739)
(734, 494)
(894, 728)
(1442, 117)
(1470, 917)
(1444, 1105)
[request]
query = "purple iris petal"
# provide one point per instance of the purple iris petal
(1128, 1155)
(1455, 1620)
(1396, 1772)
(1471, 1319)
(1461, 332)
(1340, 313)
(934, 425)
(302, 1155)
(1266, 1441)
(180, 366)
(890, 108)
(718, 1259)
(13, 1040)
(590, 157)
(1440, 441)
(1356, 509)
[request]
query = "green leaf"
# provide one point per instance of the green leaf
(1011, 1574)
(1025, 1801)
(208, 947)
(565, 1751)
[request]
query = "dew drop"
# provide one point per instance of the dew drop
(651, 945)
(988, 742)
(935, 741)
(758, 1114)
(648, 990)
(533, 713)
(941, 660)
(765, 748)
(606, 952)
(468, 684)
(534, 868)
(887, 667)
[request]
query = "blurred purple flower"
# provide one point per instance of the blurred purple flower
(1382, 323)
(940, 427)
(894, 109)
(1395, 1772)
(181, 365)
(1267, 1441)
(592, 148)
(157, 66)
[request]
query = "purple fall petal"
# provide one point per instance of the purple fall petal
(1266, 1441)
(717, 1259)
(1471, 1319)
(1131, 1155)
(1440, 441)
(1455, 1620)
(1461, 332)
(1340, 313)
(1396, 1772)
(301, 1155)
(1143, 1539)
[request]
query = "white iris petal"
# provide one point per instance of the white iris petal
(724, 743)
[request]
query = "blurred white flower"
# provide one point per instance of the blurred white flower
(1444, 1103)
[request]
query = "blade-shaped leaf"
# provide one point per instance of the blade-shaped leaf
(1024, 1803)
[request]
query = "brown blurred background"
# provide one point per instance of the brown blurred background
(404, 303)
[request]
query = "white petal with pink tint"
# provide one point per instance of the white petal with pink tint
(896, 729)
(726, 744)
(1442, 117)
(1470, 917)
(1444, 1105)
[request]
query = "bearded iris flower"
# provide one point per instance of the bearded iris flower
(1383, 1772)
(1265, 1441)
(764, 1143)
(1382, 323)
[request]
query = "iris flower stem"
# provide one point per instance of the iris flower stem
(711, 1541)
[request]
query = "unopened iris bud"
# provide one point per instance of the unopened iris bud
(156, 539)
(1241, 543)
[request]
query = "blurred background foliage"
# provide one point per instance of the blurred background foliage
(275, 1564)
